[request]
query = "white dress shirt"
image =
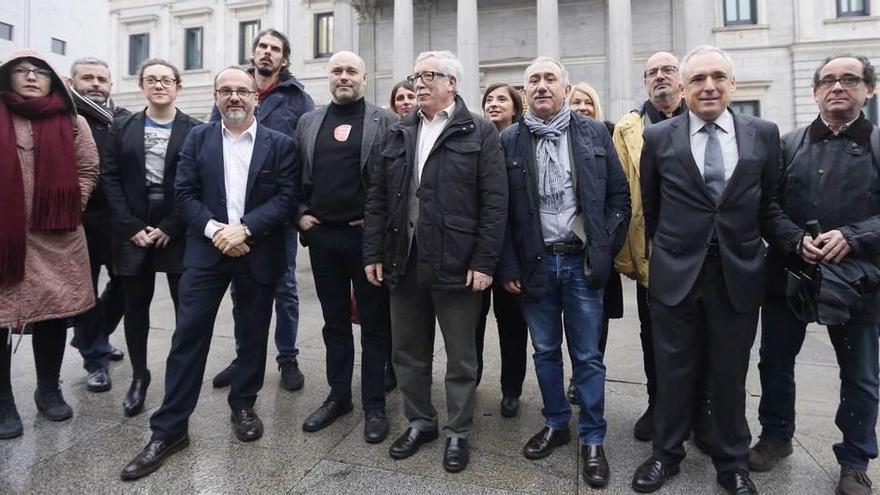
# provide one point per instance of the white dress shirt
(726, 137)
(429, 131)
(237, 152)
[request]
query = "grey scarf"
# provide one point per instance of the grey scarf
(551, 181)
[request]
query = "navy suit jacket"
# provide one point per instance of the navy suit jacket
(270, 201)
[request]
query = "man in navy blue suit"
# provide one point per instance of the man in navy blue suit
(236, 189)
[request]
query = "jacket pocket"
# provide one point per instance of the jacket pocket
(516, 175)
(459, 240)
(667, 243)
(749, 249)
(460, 161)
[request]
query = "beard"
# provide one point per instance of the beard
(265, 71)
(98, 98)
(664, 94)
(235, 116)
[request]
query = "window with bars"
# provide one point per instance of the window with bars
(853, 8)
(748, 107)
(59, 46)
(739, 12)
(5, 31)
(138, 51)
(247, 31)
(193, 44)
(323, 35)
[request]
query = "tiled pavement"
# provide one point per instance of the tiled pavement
(85, 454)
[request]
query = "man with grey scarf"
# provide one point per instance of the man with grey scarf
(569, 209)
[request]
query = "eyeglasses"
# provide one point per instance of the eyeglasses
(242, 93)
(667, 70)
(848, 81)
(151, 81)
(426, 76)
(38, 73)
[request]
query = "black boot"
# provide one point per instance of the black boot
(51, 402)
(10, 421)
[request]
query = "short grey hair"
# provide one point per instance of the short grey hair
(86, 61)
(551, 60)
(448, 62)
(699, 51)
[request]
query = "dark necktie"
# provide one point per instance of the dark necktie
(713, 164)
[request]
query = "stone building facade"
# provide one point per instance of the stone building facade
(775, 44)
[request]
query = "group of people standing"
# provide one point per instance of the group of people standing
(426, 215)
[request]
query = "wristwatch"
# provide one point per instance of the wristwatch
(247, 231)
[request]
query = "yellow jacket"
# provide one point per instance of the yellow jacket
(632, 260)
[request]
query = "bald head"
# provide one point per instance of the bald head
(236, 74)
(348, 76)
(662, 80)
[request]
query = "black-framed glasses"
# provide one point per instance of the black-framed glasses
(848, 81)
(38, 73)
(426, 76)
(241, 92)
(667, 70)
(152, 81)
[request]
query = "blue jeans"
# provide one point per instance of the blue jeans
(569, 300)
(286, 304)
(856, 347)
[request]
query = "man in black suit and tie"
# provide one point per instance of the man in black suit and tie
(707, 181)
(236, 188)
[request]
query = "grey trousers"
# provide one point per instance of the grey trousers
(413, 311)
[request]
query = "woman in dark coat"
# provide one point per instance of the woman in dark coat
(502, 105)
(138, 179)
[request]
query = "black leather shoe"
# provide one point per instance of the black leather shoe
(133, 403)
(456, 454)
(596, 472)
(224, 378)
(390, 378)
(51, 403)
(291, 377)
(509, 407)
(10, 421)
(651, 475)
(545, 441)
(409, 443)
(98, 381)
(644, 427)
(151, 457)
(737, 483)
(116, 354)
(247, 425)
(572, 393)
(325, 415)
(375, 426)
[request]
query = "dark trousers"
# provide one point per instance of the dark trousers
(513, 337)
(703, 334)
(856, 347)
(138, 296)
(49, 340)
(413, 312)
(643, 300)
(201, 291)
(92, 329)
(337, 265)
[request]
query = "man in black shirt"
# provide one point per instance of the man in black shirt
(340, 145)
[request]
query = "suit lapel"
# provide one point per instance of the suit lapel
(215, 160)
(681, 142)
(139, 151)
(310, 137)
(179, 131)
(371, 123)
(258, 157)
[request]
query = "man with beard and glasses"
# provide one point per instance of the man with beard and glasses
(236, 187)
(341, 146)
(281, 101)
(91, 82)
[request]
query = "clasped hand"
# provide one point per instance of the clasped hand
(230, 240)
(829, 246)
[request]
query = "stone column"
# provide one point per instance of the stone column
(548, 28)
(343, 26)
(468, 47)
(403, 39)
(620, 58)
(699, 24)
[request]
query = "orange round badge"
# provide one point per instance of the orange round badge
(341, 133)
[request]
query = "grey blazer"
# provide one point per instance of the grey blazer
(376, 122)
